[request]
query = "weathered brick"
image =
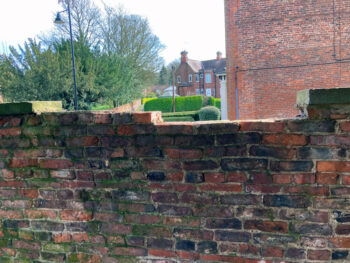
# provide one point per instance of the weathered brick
(161, 243)
(239, 138)
(200, 165)
(272, 152)
(287, 201)
(340, 255)
(232, 236)
(266, 226)
(224, 223)
(243, 164)
(186, 245)
(311, 229)
(295, 253)
(288, 166)
(285, 139)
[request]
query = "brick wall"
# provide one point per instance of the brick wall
(275, 48)
(102, 187)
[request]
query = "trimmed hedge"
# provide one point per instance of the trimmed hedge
(209, 113)
(144, 100)
(214, 102)
(190, 103)
(188, 114)
(173, 119)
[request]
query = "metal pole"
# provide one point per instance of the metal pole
(173, 68)
(71, 44)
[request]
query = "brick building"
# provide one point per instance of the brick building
(195, 77)
(275, 48)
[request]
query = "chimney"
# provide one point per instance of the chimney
(218, 55)
(184, 57)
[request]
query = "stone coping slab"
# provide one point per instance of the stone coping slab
(323, 96)
(29, 107)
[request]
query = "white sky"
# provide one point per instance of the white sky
(194, 25)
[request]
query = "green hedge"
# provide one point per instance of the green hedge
(214, 102)
(191, 114)
(173, 119)
(144, 100)
(209, 113)
(190, 103)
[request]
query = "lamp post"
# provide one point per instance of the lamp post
(58, 20)
(173, 70)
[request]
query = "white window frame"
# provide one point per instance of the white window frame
(207, 77)
(201, 76)
(208, 92)
(178, 79)
(190, 78)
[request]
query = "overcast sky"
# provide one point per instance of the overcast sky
(194, 25)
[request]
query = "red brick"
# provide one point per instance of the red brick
(22, 163)
(285, 139)
(327, 178)
(102, 118)
(214, 177)
(184, 187)
(82, 141)
(236, 177)
(10, 132)
(221, 187)
(222, 258)
(329, 166)
(281, 178)
(142, 219)
(272, 252)
(62, 238)
(70, 215)
(345, 126)
(55, 164)
(183, 153)
(29, 193)
(80, 237)
(7, 174)
(187, 255)
(267, 226)
(340, 242)
(147, 117)
(161, 253)
(176, 177)
(304, 178)
(130, 251)
(11, 214)
(40, 214)
(318, 254)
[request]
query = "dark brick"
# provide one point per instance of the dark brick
(287, 201)
(194, 178)
(295, 253)
(193, 234)
(271, 239)
(199, 198)
(146, 151)
(130, 195)
(186, 245)
(239, 138)
(295, 166)
(343, 230)
(200, 165)
(244, 164)
(207, 247)
(212, 211)
(161, 197)
(306, 126)
(272, 152)
(43, 236)
(232, 236)
(341, 217)
(74, 153)
(198, 140)
(224, 223)
(340, 255)
(156, 176)
(240, 199)
(15, 224)
(47, 225)
(311, 229)
(159, 243)
(266, 226)
(53, 257)
(174, 210)
(319, 153)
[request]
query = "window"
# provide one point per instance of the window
(208, 92)
(190, 78)
(178, 79)
(208, 78)
(198, 92)
(197, 78)
(201, 76)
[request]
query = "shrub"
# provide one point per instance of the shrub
(209, 113)
(190, 103)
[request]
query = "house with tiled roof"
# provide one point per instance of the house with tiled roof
(194, 77)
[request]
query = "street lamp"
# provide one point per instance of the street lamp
(58, 20)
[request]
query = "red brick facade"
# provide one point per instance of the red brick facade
(198, 85)
(276, 48)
